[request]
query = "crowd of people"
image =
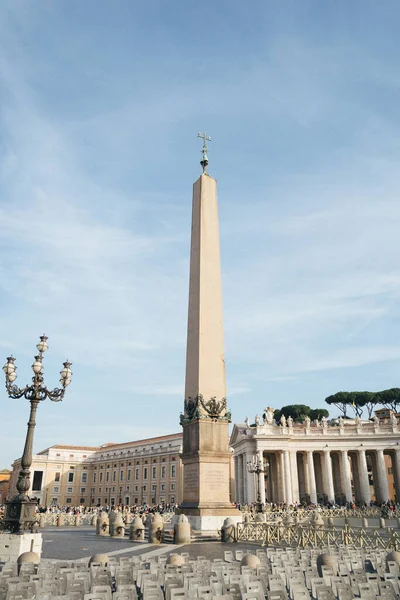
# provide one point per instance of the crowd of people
(142, 509)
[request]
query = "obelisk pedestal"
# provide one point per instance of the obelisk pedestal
(206, 457)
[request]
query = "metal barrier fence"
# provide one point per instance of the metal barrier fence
(304, 513)
(316, 537)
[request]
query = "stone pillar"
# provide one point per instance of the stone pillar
(261, 477)
(363, 474)
(382, 476)
(236, 462)
(311, 477)
(396, 464)
(287, 477)
(328, 477)
(281, 477)
(294, 476)
(242, 469)
(251, 496)
(345, 475)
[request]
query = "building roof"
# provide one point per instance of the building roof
(161, 438)
(111, 445)
(63, 447)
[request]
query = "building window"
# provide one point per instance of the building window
(71, 477)
(69, 490)
(99, 501)
(136, 488)
(54, 501)
(121, 476)
(163, 471)
(114, 475)
(107, 476)
(136, 474)
(173, 470)
(56, 490)
(84, 478)
(101, 477)
(172, 499)
(129, 474)
(84, 455)
(94, 477)
(58, 454)
(71, 456)
(99, 490)
(82, 501)
(83, 490)
(154, 472)
(153, 487)
(163, 487)
(68, 500)
(57, 477)
(37, 481)
(145, 473)
(172, 486)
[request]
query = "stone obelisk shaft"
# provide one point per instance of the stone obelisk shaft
(205, 365)
(206, 457)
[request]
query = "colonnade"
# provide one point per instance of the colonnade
(313, 475)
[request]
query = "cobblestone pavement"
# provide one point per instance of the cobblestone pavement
(78, 543)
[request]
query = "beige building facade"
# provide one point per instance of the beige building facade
(323, 461)
(144, 471)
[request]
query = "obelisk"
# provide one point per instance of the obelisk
(205, 419)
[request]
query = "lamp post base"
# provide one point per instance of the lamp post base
(20, 515)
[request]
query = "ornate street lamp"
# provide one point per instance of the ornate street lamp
(20, 511)
(256, 466)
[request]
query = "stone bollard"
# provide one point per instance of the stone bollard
(42, 521)
(118, 529)
(93, 521)
(318, 521)
(103, 524)
(327, 560)
(128, 518)
(228, 531)
(59, 521)
(136, 531)
(260, 518)
(77, 520)
(28, 557)
(330, 522)
(287, 520)
(382, 523)
(182, 530)
(365, 522)
(246, 518)
(111, 518)
(156, 529)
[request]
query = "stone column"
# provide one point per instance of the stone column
(236, 462)
(364, 481)
(396, 464)
(345, 475)
(382, 476)
(281, 477)
(311, 477)
(287, 477)
(294, 476)
(251, 497)
(328, 477)
(261, 479)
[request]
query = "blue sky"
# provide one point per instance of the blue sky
(100, 105)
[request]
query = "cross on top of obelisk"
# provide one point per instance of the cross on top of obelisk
(204, 159)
